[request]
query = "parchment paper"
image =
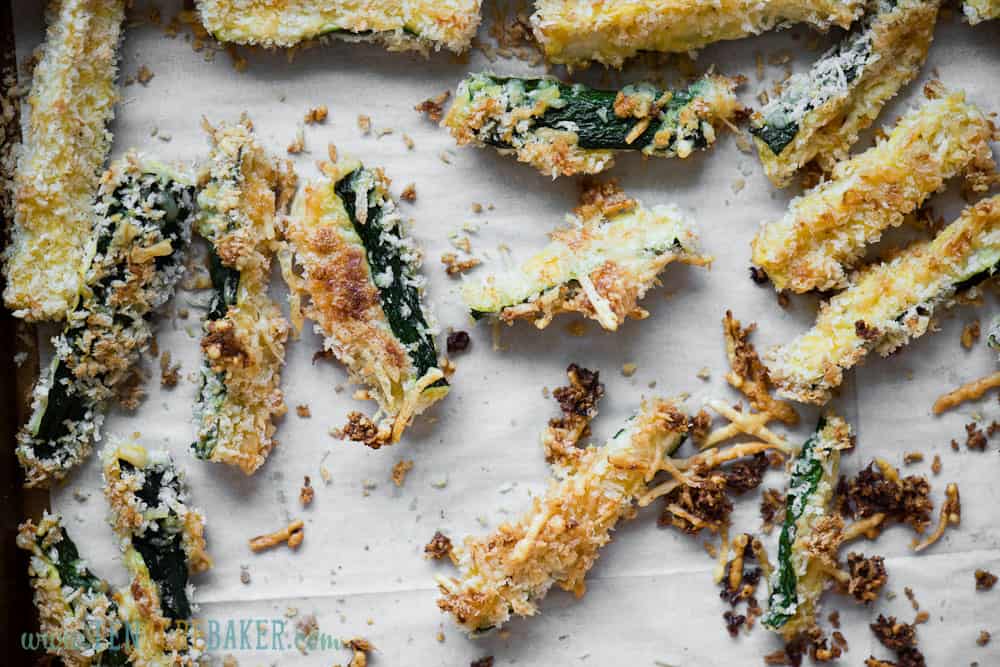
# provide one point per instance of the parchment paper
(651, 600)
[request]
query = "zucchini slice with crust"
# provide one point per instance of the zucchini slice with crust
(888, 304)
(600, 266)
(163, 543)
(575, 32)
(352, 269)
(79, 620)
(245, 333)
(565, 129)
(820, 113)
(134, 259)
(825, 231)
(72, 100)
(978, 11)
(800, 575)
(419, 25)
(558, 540)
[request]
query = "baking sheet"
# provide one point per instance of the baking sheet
(360, 570)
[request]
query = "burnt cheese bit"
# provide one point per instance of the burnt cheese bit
(873, 491)
(868, 576)
(458, 341)
(985, 580)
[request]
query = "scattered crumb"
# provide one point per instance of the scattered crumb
(834, 619)
(144, 75)
(758, 275)
(292, 534)
(482, 662)
(361, 648)
(80, 496)
(783, 299)
(306, 493)
(912, 457)
(244, 574)
(409, 193)
(170, 374)
(364, 124)
(303, 411)
(408, 142)
(439, 636)
(317, 114)
(936, 465)
(298, 144)
(984, 638)
(970, 334)
(458, 341)
(399, 471)
(628, 370)
(433, 107)
(985, 580)
(438, 547)
(704, 373)
(912, 598)
(922, 617)
(576, 328)
(453, 265)
(975, 439)
(325, 475)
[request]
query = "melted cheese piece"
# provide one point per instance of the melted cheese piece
(72, 99)
(406, 25)
(600, 267)
(826, 231)
(887, 305)
(573, 32)
(558, 540)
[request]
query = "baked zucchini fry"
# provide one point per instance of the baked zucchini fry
(245, 332)
(419, 25)
(354, 272)
(825, 231)
(162, 542)
(978, 11)
(800, 575)
(888, 304)
(134, 259)
(600, 267)
(574, 32)
(78, 618)
(558, 540)
(72, 99)
(565, 129)
(819, 113)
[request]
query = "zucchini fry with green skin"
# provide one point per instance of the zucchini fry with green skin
(135, 258)
(163, 542)
(820, 113)
(801, 573)
(565, 129)
(558, 540)
(352, 270)
(575, 32)
(77, 612)
(825, 231)
(419, 25)
(599, 267)
(245, 333)
(72, 99)
(978, 11)
(888, 304)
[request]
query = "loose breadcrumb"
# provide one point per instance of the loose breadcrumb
(170, 374)
(970, 334)
(409, 193)
(936, 464)
(317, 114)
(303, 411)
(439, 546)
(433, 107)
(985, 580)
(454, 266)
(364, 124)
(399, 471)
(306, 493)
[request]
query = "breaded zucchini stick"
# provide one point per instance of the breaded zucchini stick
(163, 542)
(565, 129)
(72, 99)
(599, 267)
(245, 333)
(134, 259)
(354, 272)
(79, 620)
(819, 113)
(804, 556)
(825, 232)
(888, 304)
(978, 11)
(574, 32)
(419, 25)
(558, 540)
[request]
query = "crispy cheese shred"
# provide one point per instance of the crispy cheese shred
(72, 100)
(969, 391)
(826, 231)
(888, 304)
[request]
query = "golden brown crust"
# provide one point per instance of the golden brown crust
(749, 375)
